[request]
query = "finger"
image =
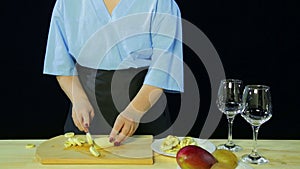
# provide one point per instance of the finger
(123, 134)
(77, 124)
(82, 125)
(92, 114)
(117, 127)
(79, 121)
(76, 121)
(133, 129)
(121, 137)
(86, 121)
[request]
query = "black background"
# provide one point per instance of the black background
(258, 42)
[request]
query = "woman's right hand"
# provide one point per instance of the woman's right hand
(82, 110)
(82, 114)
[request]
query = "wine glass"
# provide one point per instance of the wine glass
(258, 110)
(230, 103)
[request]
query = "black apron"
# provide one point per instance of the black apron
(109, 92)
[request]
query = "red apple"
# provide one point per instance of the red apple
(194, 157)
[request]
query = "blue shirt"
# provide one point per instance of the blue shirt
(138, 33)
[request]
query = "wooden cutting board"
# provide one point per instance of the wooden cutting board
(136, 150)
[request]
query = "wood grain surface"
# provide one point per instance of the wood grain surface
(283, 154)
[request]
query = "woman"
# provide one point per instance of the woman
(114, 59)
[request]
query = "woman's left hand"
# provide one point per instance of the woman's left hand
(128, 120)
(124, 127)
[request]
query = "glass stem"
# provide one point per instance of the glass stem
(254, 152)
(230, 123)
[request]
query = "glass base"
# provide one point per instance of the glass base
(234, 147)
(254, 160)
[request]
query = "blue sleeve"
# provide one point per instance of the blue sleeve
(58, 60)
(166, 69)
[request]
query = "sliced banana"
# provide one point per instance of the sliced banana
(174, 150)
(28, 146)
(77, 142)
(172, 144)
(174, 140)
(165, 147)
(69, 134)
(73, 141)
(81, 140)
(169, 143)
(67, 144)
(187, 141)
(94, 151)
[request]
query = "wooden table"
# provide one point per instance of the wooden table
(283, 154)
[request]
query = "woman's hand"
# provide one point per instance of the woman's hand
(124, 127)
(82, 110)
(82, 114)
(128, 121)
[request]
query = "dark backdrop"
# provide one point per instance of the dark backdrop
(257, 42)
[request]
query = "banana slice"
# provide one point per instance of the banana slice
(166, 147)
(81, 140)
(174, 150)
(29, 146)
(169, 143)
(94, 151)
(77, 142)
(67, 144)
(174, 140)
(69, 134)
(187, 141)
(73, 141)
